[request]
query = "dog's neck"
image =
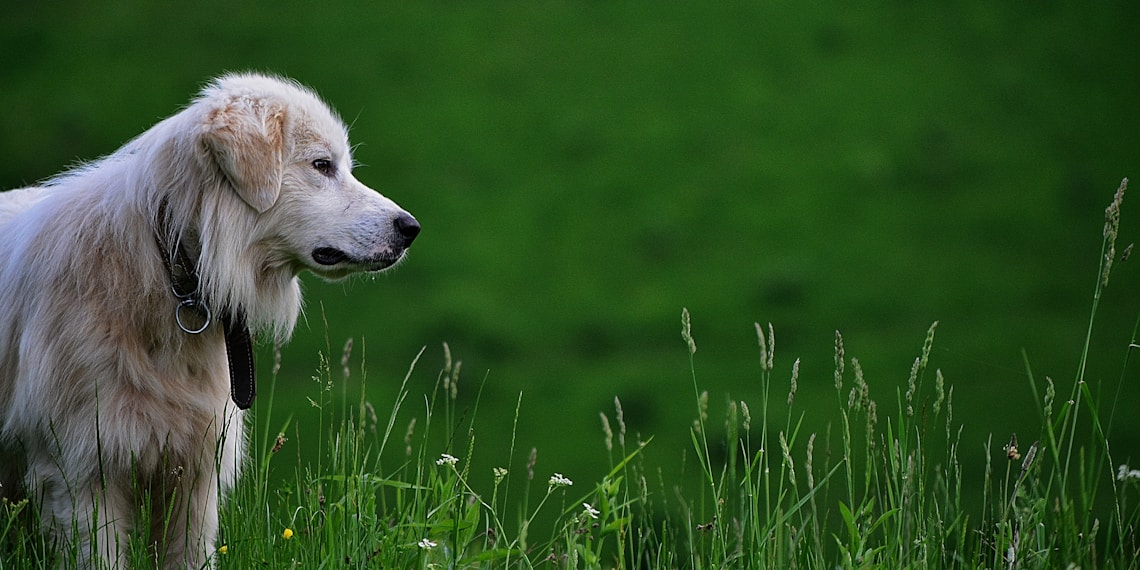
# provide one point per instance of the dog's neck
(182, 271)
(193, 316)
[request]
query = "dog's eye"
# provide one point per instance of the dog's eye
(324, 166)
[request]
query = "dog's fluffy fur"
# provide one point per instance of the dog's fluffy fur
(108, 411)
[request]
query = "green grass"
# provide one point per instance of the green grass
(879, 483)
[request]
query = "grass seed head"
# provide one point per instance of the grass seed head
(763, 347)
(455, 380)
(939, 390)
(607, 431)
(687, 331)
(872, 419)
(795, 377)
(771, 345)
(1030, 457)
(912, 386)
(928, 344)
(408, 437)
(371, 411)
(620, 421)
(949, 408)
(1111, 228)
(788, 459)
(808, 461)
(1050, 395)
(446, 359)
(860, 392)
(703, 404)
(345, 358)
(276, 359)
(839, 358)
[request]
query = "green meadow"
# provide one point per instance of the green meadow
(585, 170)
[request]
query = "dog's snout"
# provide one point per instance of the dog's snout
(407, 227)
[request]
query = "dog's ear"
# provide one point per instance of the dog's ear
(247, 140)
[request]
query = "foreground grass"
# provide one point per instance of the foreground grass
(879, 485)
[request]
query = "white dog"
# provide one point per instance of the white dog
(124, 282)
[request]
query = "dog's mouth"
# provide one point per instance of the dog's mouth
(329, 256)
(332, 259)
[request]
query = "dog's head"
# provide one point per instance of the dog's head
(286, 155)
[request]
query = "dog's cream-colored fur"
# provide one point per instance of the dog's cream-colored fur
(107, 408)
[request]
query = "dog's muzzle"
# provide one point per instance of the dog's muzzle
(407, 228)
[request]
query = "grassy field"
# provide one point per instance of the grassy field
(875, 486)
(583, 171)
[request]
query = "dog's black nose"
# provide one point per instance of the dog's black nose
(408, 228)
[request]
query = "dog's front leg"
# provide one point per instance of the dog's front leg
(184, 517)
(90, 522)
(113, 515)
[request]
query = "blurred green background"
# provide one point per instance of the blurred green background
(583, 170)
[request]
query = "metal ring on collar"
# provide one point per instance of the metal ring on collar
(197, 306)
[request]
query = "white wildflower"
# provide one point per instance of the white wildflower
(557, 480)
(427, 544)
(590, 510)
(446, 459)
(1124, 473)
